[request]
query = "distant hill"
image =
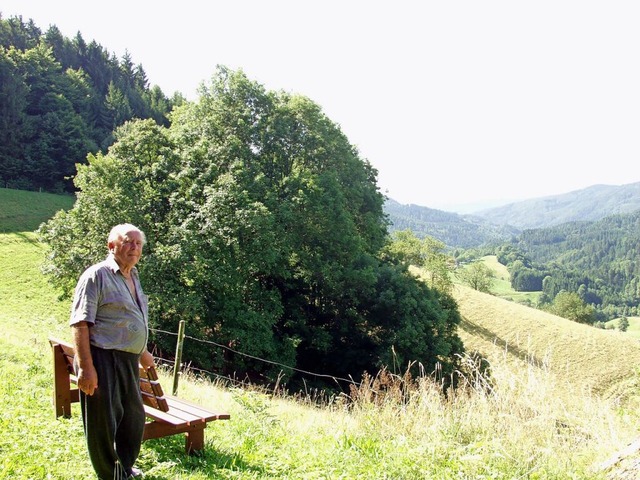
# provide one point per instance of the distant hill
(502, 223)
(454, 230)
(589, 204)
(598, 258)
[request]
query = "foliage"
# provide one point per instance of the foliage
(508, 255)
(426, 253)
(569, 305)
(525, 279)
(623, 324)
(501, 284)
(454, 230)
(597, 260)
(264, 232)
(61, 99)
(477, 275)
(593, 258)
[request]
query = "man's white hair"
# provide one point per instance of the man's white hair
(120, 231)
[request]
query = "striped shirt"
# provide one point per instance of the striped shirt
(117, 320)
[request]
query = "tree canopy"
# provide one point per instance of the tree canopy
(570, 306)
(264, 231)
(478, 276)
(426, 253)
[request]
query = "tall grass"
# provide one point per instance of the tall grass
(515, 429)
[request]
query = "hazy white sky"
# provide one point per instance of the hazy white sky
(454, 102)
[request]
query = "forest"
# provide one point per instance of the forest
(597, 260)
(62, 98)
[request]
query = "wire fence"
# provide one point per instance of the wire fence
(235, 381)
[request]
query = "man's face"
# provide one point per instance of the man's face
(128, 249)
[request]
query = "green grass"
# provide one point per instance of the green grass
(634, 326)
(558, 403)
(24, 211)
(502, 284)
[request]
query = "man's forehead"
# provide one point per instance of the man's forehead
(131, 235)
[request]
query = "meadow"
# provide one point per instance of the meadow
(502, 284)
(559, 401)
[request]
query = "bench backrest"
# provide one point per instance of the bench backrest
(150, 388)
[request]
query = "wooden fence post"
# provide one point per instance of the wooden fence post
(178, 360)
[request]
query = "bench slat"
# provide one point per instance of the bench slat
(193, 409)
(151, 388)
(153, 395)
(172, 417)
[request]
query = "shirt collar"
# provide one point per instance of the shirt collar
(113, 265)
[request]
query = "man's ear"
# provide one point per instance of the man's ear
(110, 245)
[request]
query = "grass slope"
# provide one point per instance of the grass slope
(525, 424)
(24, 211)
(582, 357)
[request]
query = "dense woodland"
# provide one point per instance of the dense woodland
(61, 98)
(598, 260)
(456, 231)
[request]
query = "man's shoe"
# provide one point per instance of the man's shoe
(135, 473)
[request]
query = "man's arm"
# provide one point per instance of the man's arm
(87, 376)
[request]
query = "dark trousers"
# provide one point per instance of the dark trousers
(113, 416)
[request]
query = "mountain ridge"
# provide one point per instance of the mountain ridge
(587, 204)
(501, 223)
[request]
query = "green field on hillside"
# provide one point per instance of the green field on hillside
(502, 284)
(24, 211)
(560, 401)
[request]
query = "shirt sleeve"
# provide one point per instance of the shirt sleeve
(85, 299)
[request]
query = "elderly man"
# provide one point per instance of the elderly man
(109, 328)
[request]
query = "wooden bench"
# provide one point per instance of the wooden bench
(167, 415)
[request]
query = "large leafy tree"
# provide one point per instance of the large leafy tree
(478, 276)
(265, 229)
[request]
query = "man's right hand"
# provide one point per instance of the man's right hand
(87, 380)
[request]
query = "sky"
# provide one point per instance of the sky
(457, 104)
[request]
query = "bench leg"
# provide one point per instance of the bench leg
(194, 441)
(61, 384)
